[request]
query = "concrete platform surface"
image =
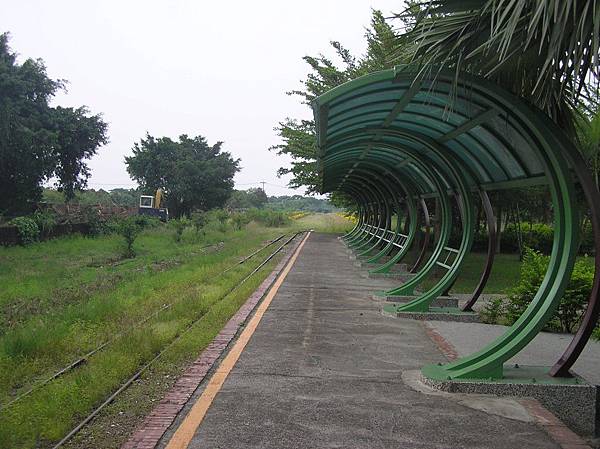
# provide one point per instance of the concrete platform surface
(544, 350)
(324, 370)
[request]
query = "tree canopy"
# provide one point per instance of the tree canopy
(545, 51)
(246, 199)
(298, 136)
(39, 143)
(193, 174)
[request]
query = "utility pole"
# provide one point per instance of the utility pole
(263, 186)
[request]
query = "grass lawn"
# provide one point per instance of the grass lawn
(504, 276)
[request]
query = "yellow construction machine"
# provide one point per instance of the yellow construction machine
(150, 205)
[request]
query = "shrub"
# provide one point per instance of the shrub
(27, 229)
(97, 225)
(144, 221)
(199, 220)
(239, 220)
(219, 216)
(537, 236)
(573, 302)
(45, 220)
(129, 229)
(179, 225)
(576, 296)
(493, 311)
(269, 218)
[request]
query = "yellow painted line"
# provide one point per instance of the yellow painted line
(184, 434)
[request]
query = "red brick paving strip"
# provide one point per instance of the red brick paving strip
(554, 427)
(162, 416)
(443, 345)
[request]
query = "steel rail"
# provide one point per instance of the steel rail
(83, 359)
(135, 376)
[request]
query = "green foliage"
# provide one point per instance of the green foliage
(179, 225)
(543, 50)
(537, 236)
(129, 228)
(199, 220)
(270, 218)
(45, 220)
(493, 311)
(97, 225)
(573, 302)
(300, 203)
(145, 221)
(533, 269)
(239, 220)
(38, 142)
(193, 174)
(220, 217)
(62, 298)
(246, 199)
(28, 230)
(588, 138)
(298, 136)
(91, 197)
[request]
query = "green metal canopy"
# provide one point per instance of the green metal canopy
(396, 138)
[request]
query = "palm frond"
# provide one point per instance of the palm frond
(543, 50)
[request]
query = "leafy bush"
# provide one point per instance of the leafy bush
(144, 221)
(537, 236)
(179, 225)
(573, 302)
(269, 218)
(239, 220)
(493, 311)
(45, 220)
(220, 217)
(27, 228)
(199, 220)
(129, 229)
(97, 225)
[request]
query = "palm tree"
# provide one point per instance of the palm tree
(543, 50)
(588, 137)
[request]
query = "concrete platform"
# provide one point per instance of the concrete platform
(324, 367)
(573, 400)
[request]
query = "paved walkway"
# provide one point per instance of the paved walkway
(324, 370)
(543, 350)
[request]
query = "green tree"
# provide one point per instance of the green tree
(246, 199)
(298, 136)
(125, 197)
(588, 127)
(38, 142)
(193, 174)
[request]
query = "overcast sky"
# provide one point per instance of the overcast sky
(219, 69)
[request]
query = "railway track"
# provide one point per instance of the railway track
(178, 337)
(84, 358)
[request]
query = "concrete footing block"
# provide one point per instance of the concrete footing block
(399, 275)
(440, 315)
(442, 301)
(574, 401)
(400, 267)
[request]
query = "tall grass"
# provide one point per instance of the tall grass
(70, 295)
(329, 222)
